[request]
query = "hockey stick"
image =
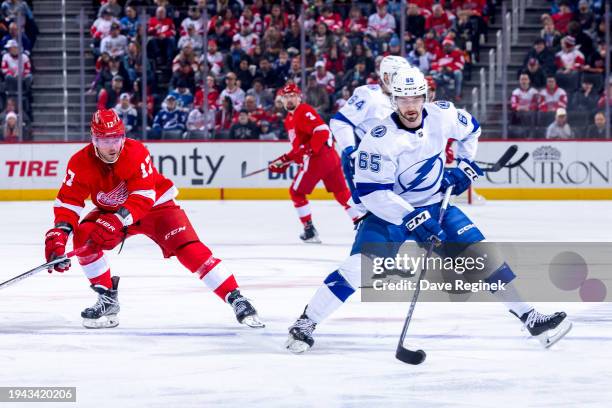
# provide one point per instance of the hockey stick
(41, 268)
(244, 174)
(402, 353)
(504, 160)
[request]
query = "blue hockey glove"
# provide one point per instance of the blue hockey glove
(461, 177)
(424, 226)
(348, 162)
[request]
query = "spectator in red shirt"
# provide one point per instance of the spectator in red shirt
(552, 97)
(332, 20)
(162, 32)
(569, 62)
(563, 17)
(448, 66)
(276, 18)
(438, 21)
(355, 25)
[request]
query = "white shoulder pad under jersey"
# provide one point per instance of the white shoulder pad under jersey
(409, 163)
(367, 105)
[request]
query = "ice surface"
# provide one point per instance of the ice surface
(178, 345)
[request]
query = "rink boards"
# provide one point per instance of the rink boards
(556, 170)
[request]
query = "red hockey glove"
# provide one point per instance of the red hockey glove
(108, 232)
(55, 246)
(280, 164)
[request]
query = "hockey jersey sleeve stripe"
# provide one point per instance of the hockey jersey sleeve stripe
(77, 209)
(476, 125)
(339, 116)
(364, 189)
(150, 194)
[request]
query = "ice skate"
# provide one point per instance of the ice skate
(310, 234)
(244, 310)
(548, 329)
(300, 335)
(104, 313)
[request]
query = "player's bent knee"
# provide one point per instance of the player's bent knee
(298, 199)
(351, 270)
(196, 257)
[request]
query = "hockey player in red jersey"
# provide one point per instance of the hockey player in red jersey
(131, 198)
(312, 148)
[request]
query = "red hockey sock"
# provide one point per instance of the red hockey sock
(342, 197)
(104, 280)
(302, 206)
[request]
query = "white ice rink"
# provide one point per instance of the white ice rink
(178, 345)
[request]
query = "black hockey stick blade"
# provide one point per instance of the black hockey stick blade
(409, 356)
(502, 162)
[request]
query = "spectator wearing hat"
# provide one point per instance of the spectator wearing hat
(559, 129)
(598, 129)
(569, 63)
(247, 38)
(536, 74)
(101, 27)
(233, 91)
(214, 58)
(116, 43)
(125, 110)
(325, 78)
(563, 17)
(552, 97)
(109, 97)
(381, 26)
(545, 57)
(10, 69)
(12, 34)
(112, 7)
(448, 66)
(10, 130)
(161, 31)
(585, 100)
(129, 23)
(170, 122)
(244, 129)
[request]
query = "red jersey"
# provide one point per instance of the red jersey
(307, 131)
(131, 182)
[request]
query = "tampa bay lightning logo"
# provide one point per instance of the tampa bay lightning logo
(423, 175)
(379, 131)
(443, 104)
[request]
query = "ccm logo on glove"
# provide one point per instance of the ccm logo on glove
(418, 220)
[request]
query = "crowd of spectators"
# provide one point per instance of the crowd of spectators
(562, 91)
(9, 67)
(253, 49)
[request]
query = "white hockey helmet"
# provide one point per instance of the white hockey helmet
(408, 81)
(388, 66)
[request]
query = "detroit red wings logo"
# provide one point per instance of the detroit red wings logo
(115, 197)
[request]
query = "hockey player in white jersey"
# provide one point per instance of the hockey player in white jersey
(367, 105)
(400, 178)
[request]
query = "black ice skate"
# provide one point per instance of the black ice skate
(548, 329)
(104, 313)
(310, 234)
(300, 335)
(244, 310)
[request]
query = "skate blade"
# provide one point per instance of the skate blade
(105, 322)
(296, 346)
(253, 322)
(552, 336)
(313, 240)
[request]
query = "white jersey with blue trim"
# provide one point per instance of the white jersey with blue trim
(397, 169)
(367, 106)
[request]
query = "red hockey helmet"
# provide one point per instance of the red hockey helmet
(107, 135)
(291, 88)
(105, 123)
